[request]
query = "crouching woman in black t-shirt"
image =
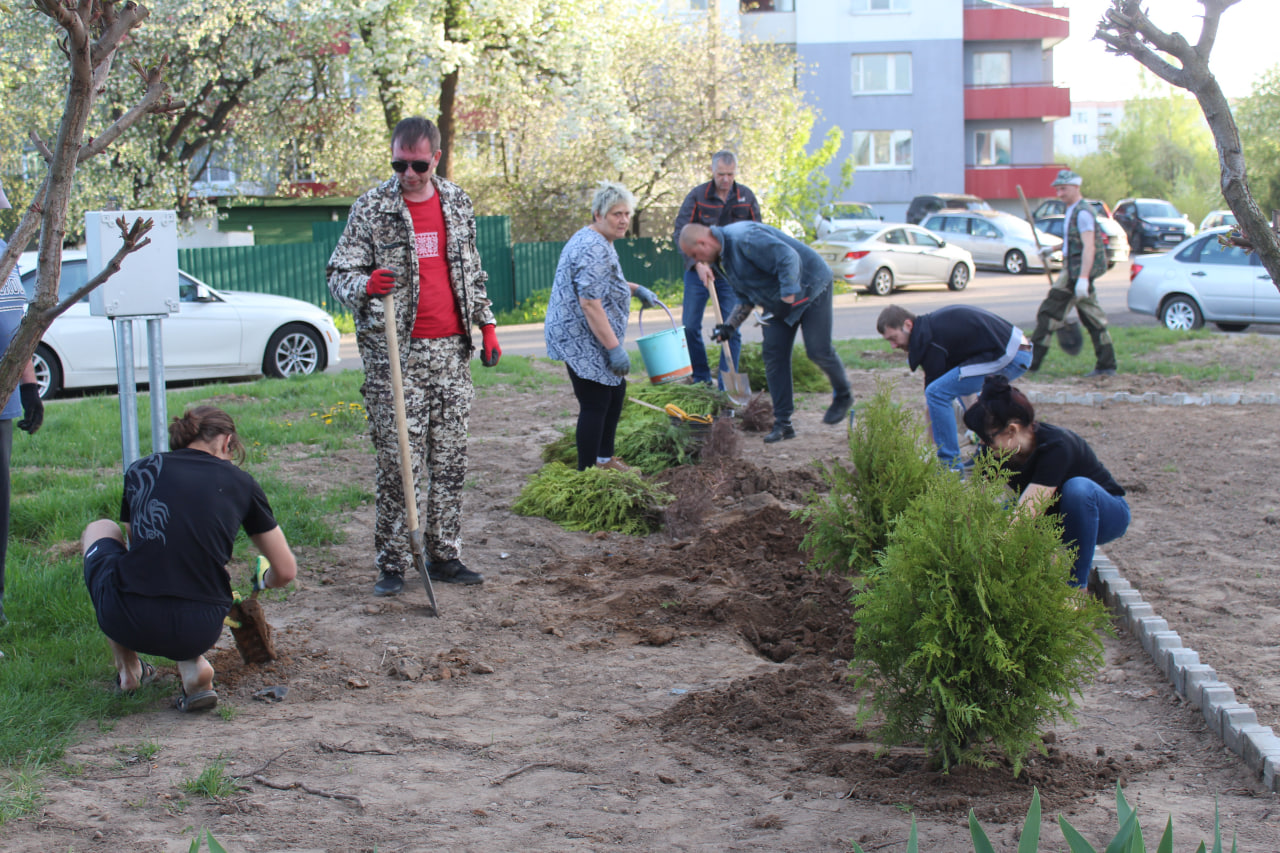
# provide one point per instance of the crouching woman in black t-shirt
(167, 593)
(1045, 461)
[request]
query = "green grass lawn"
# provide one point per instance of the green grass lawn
(56, 673)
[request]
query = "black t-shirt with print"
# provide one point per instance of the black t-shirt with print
(184, 509)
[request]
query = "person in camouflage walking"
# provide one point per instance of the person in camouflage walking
(414, 236)
(1084, 259)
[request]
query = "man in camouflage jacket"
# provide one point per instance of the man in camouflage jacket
(380, 252)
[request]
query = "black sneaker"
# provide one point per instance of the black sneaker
(1100, 371)
(389, 583)
(839, 407)
(452, 571)
(780, 431)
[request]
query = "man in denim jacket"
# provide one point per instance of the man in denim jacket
(791, 283)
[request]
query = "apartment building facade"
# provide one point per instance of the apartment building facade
(932, 95)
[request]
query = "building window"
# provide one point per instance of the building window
(859, 6)
(1079, 138)
(881, 73)
(993, 147)
(882, 149)
(1082, 117)
(993, 69)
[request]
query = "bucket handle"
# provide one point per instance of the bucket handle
(640, 317)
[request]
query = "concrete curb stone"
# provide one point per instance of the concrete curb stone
(1233, 722)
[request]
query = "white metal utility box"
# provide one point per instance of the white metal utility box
(147, 283)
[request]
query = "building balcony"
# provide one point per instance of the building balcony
(1046, 24)
(1035, 100)
(994, 182)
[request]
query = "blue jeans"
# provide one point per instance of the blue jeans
(1091, 516)
(695, 304)
(780, 339)
(940, 393)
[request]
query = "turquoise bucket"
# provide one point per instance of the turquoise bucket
(666, 353)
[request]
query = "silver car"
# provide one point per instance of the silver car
(1199, 280)
(995, 239)
(843, 214)
(884, 257)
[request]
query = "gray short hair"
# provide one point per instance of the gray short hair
(726, 157)
(608, 196)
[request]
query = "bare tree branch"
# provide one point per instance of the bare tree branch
(1127, 31)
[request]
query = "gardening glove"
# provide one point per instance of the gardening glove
(490, 352)
(722, 332)
(619, 361)
(380, 282)
(260, 574)
(648, 299)
(32, 407)
(1082, 288)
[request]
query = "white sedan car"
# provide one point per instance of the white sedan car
(884, 257)
(1201, 280)
(214, 335)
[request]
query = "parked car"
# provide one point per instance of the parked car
(1217, 218)
(1202, 280)
(843, 214)
(884, 257)
(1152, 224)
(1113, 236)
(922, 205)
(216, 334)
(1055, 207)
(995, 239)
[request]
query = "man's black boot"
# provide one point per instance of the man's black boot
(780, 431)
(839, 408)
(389, 583)
(453, 571)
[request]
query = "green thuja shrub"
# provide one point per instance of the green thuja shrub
(969, 632)
(889, 465)
(806, 377)
(1127, 840)
(593, 500)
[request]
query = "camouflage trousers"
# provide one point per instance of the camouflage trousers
(438, 393)
(1051, 315)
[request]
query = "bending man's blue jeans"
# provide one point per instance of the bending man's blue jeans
(1091, 516)
(780, 339)
(696, 296)
(950, 386)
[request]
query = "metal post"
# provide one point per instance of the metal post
(128, 390)
(155, 375)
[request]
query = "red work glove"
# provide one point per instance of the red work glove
(380, 282)
(490, 352)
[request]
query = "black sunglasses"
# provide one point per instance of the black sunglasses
(419, 166)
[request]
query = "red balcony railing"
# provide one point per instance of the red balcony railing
(1002, 181)
(1049, 24)
(1035, 100)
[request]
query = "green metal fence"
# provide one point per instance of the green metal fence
(289, 269)
(643, 261)
(516, 271)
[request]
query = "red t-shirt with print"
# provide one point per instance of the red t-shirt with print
(438, 315)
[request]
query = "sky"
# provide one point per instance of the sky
(1245, 47)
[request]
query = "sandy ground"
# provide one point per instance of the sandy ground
(605, 693)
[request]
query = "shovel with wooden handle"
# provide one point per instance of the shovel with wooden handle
(736, 385)
(406, 462)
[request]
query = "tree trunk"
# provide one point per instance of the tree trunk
(445, 121)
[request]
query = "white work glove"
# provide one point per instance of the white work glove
(1082, 288)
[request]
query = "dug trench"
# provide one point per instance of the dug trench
(686, 692)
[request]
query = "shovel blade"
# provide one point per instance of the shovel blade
(420, 563)
(737, 386)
